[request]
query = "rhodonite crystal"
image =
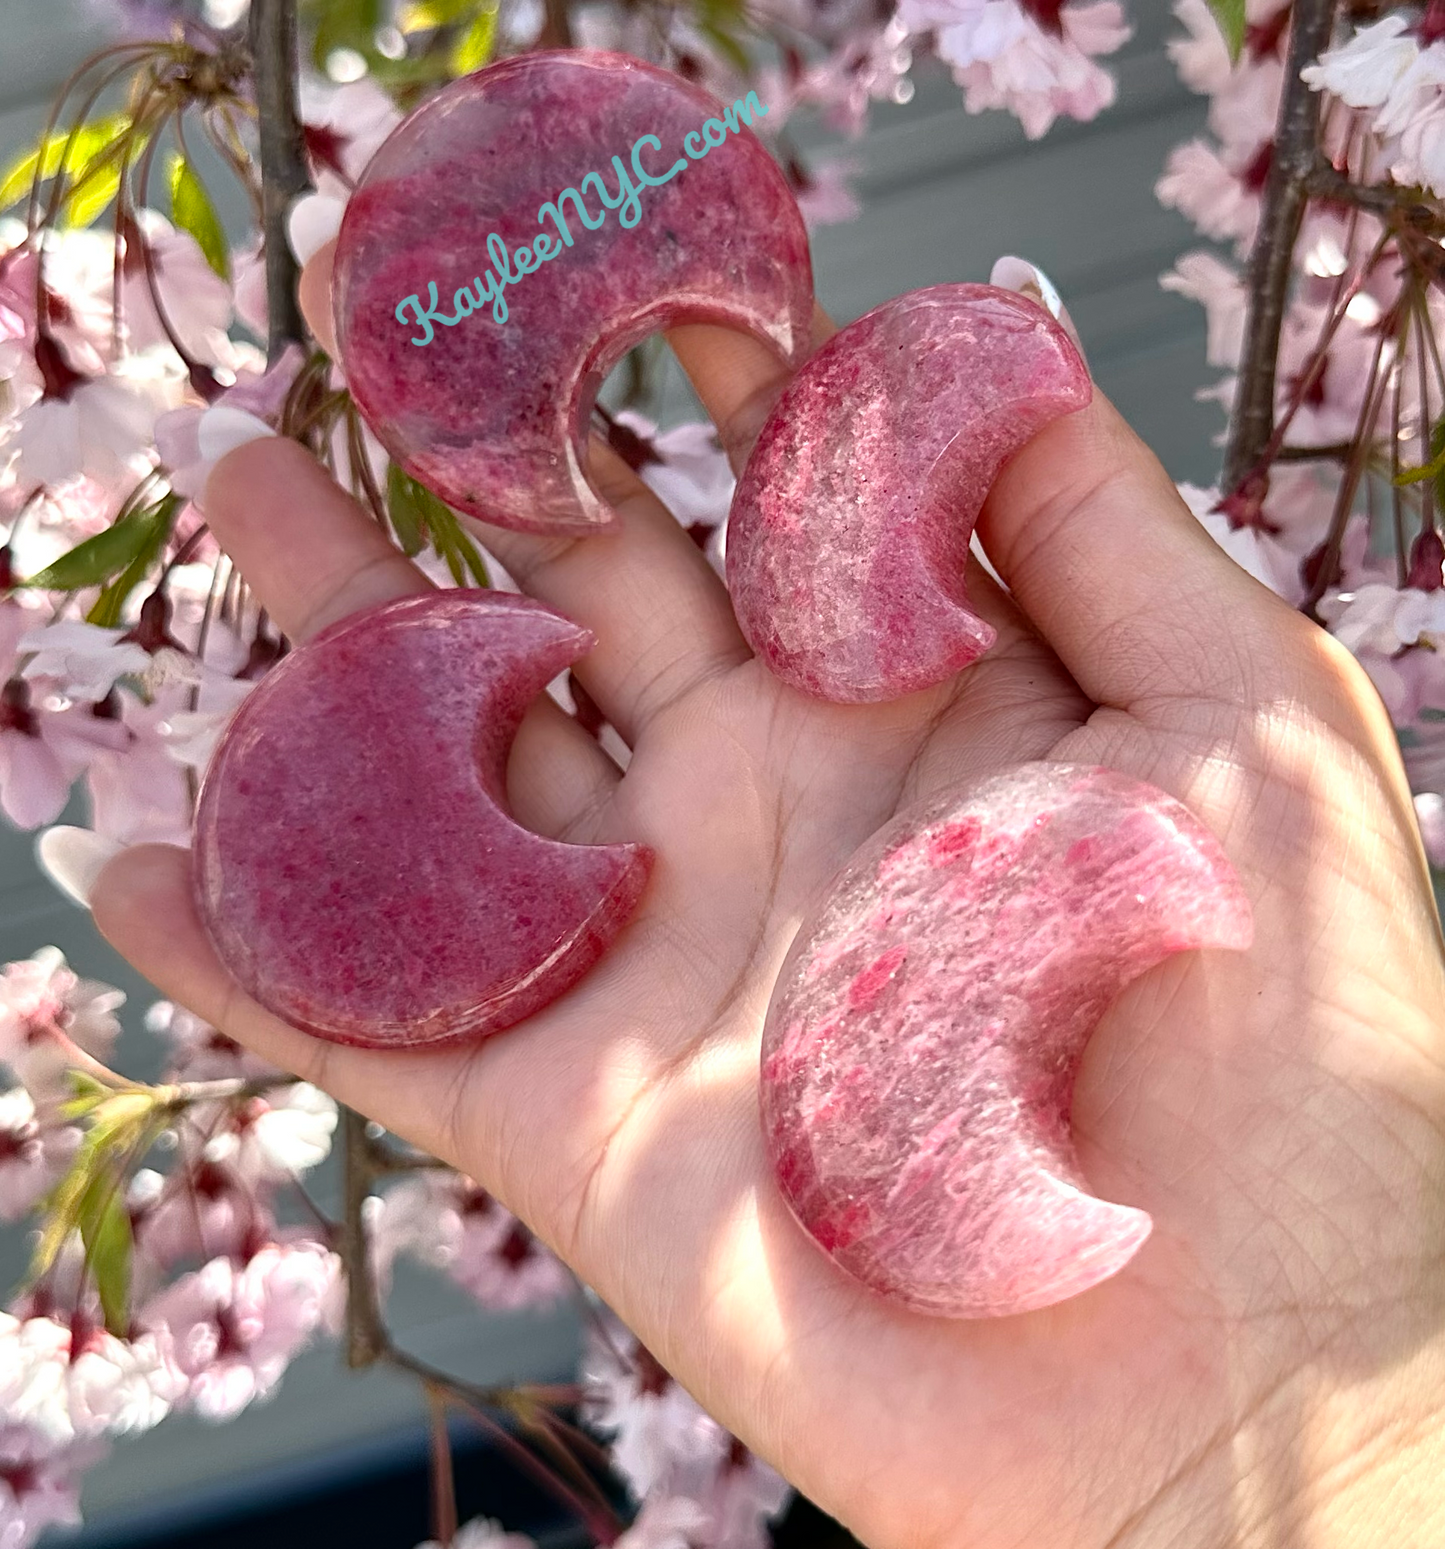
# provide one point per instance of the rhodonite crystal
(850, 525)
(491, 411)
(920, 1050)
(355, 864)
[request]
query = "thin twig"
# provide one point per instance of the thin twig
(1286, 194)
(366, 1339)
(283, 163)
(443, 1485)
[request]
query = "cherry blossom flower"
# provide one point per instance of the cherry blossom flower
(1220, 289)
(865, 65)
(665, 1522)
(85, 660)
(1034, 57)
(443, 1220)
(259, 392)
(69, 1380)
(825, 198)
(44, 1006)
(33, 1155)
(1430, 812)
(101, 427)
(1222, 200)
(199, 1211)
(1251, 548)
(738, 1495)
(482, 1533)
(276, 1137)
(231, 1332)
(200, 1052)
(39, 1482)
(657, 1428)
(687, 469)
(1384, 71)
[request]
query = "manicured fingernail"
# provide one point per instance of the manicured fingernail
(1029, 280)
(72, 859)
(312, 222)
(221, 430)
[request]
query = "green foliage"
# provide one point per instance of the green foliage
(124, 543)
(89, 157)
(1230, 14)
(343, 24)
(105, 1232)
(1434, 470)
(107, 608)
(428, 15)
(417, 516)
(192, 210)
(90, 1198)
(474, 47)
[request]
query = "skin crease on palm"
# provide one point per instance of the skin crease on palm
(1269, 1369)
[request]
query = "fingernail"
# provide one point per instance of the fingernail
(72, 858)
(1018, 274)
(221, 430)
(312, 222)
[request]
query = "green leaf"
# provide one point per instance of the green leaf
(87, 1094)
(104, 1224)
(1230, 14)
(106, 610)
(117, 1126)
(1434, 469)
(428, 15)
(106, 554)
(404, 508)
(192, 210)
(91, 141)
(474, 48)
(345, 24)
(727, 45)
(417, 515)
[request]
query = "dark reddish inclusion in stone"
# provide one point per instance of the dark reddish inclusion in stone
(355, 864)
(919, 1055)
(493, 417)
(850, 526)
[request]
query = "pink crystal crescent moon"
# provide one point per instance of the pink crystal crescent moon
(494, 417)
(919, 1054)
(354, 861)
(850, 525)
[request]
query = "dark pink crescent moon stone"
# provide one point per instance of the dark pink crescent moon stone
(919, 1054)
(354, 861)
(851, 523)
(493, 415)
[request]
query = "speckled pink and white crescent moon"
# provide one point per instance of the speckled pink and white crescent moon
(919, 1054)
(850, 525)
(354, 861)
(494, 416)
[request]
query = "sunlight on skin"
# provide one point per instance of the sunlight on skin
(1243, 1383)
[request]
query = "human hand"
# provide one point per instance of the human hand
(1265, 1371)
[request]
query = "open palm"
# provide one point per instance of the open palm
(1280, 1113)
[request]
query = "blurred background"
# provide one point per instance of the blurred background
(338, 1456)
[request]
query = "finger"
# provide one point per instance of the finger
(312, 556)
(313, 295)
(737, 378)
(143, 905)
(1136, 598)
(661, 616)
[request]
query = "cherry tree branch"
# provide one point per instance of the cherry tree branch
(283, 162)
(1286, 194)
